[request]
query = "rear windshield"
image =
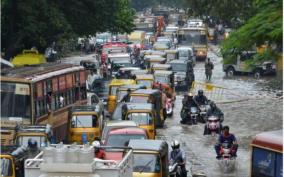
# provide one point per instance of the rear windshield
(119, 140)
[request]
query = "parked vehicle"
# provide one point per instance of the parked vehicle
(86, 124)
(150, 158)
(241, 66)
(160, 67)
(143, 114)
(145, 79)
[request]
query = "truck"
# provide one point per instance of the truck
(78, 160)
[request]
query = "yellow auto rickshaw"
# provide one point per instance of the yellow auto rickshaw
(160, 67)
(7, 165)
(153, 96)
(114, 84)
(85, 124)
(150, 158)
(37, 133)
(152, 59)
(143, 114)
(28, 57)
(145, 79)
(153, 52)
(171, 55)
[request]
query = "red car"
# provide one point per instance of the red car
(120, 138)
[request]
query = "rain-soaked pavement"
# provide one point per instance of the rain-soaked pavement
(259, 110)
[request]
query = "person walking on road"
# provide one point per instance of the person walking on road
(209, 66)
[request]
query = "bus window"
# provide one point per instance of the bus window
(15, 100)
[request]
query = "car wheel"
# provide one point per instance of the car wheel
(230, 72)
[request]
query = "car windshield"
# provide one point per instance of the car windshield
(146, 163)
(119, 140)
(179, 67)
(140, 118)
(15, 101)
(139, 99)
(6, 167)
(146, 83)
(23, 140)
(162, 79)
(84, 121)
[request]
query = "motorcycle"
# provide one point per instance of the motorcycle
(174, 170)
(203, 114)
(227, 162)
(193, 114)
(213, 126)
(169, 106)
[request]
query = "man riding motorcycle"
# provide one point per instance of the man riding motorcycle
(230, 139)
(214, 111)
(178, 156)
(187, 103)
(200, 98)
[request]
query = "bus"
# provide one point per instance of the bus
(195, 37)
(267, 154)
(29, 93)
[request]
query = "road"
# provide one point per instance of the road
(259, 110)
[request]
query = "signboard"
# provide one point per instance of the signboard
(55, 84)
(263, 163)
(69, 81)
(62, 83)
(82, 77)
(39, 89)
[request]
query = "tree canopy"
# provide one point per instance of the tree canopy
(38, 23)
(265, 27)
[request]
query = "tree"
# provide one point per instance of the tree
(264, 27)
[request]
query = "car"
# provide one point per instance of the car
(186, 53)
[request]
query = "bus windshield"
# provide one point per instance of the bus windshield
(193, 37)
(15, 101)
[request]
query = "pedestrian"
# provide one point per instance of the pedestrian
(209, 66)
(164, 103)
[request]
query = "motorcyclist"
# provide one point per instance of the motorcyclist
(226, 137)
(99, 153)
(214, 111)
(187, 103)
(178, 156)
(200, 98)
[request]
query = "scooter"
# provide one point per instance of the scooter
(174, 170)
(203, 113)
(213, 126)
(169, 107)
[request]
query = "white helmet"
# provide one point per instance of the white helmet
(175, 144)
(96, 144)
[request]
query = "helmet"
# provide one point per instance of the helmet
(200, 92)
(32, 143)
(96, 144)
(128, 90)
(175, 144)
(213, 105)
(190, 94)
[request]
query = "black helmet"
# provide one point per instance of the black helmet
(128, 90)
(32, 143)
(213, 105)
(200, 92)
(226, 127)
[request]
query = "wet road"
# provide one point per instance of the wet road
(262, 111)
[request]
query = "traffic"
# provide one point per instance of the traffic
(127, 105)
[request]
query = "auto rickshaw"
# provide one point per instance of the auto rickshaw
(153, 96)
(153, 52)
(85, 124)
(38, 133)
(143, 114)
(145, 79)
(171, 55)
(122, 91)
(150, 158)
(160, 67)
(114, 84)
(152, 59)
(8, 167)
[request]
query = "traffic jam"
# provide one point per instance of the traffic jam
(148, 103)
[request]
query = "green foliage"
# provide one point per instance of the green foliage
(38, 23)
(265, 26)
